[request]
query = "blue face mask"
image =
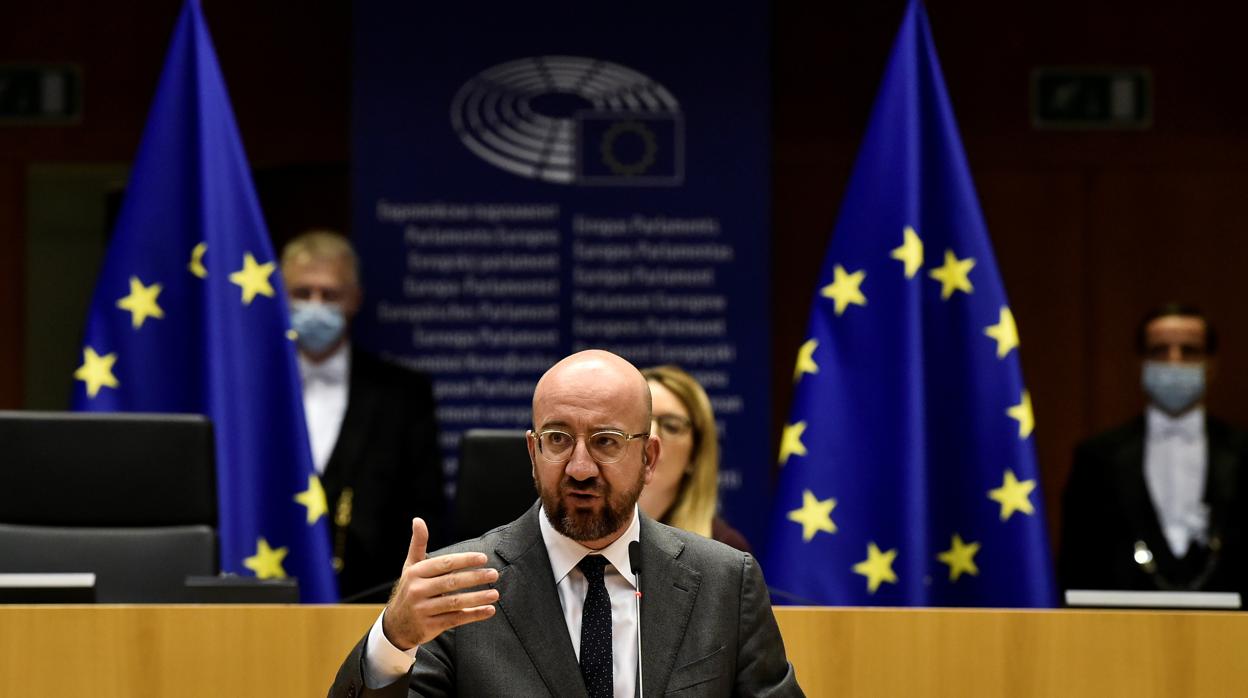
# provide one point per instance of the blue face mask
(1174, 387)
(318, 325)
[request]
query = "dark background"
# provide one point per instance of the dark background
(1090, 228)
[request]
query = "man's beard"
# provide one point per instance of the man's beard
(580, 525)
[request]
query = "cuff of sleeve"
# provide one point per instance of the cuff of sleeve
(383, 662)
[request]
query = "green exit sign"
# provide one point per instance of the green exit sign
(1091, 98)
(40, 94)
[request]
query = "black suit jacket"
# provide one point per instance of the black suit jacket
(388, 464)
(707, 628)
(1107, 509)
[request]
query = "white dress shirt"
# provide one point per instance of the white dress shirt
(325, 387)
(1176, 454)
(383, 662)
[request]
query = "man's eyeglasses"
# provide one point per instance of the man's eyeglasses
(672, 425)
(605, 446)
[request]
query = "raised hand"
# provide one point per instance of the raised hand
(429, 596)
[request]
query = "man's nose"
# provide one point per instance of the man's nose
(1174, 354)
(581, 466)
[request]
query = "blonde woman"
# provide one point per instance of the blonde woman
(684, 491)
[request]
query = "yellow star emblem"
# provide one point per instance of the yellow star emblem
(314, 499)
(806, 359)
(814, 515)
(791, 442)
(1022, 412)
(1013, 495)
(910, 253)
(141, 302)
(96, 371)
(1005, 332)
(253, 278)
(267, 562)
(877, 568)
(845, 288)
(953, 275)
(960, 558)
(196, 266)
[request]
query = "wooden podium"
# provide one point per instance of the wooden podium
(123, 651)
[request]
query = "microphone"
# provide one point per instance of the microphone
(634, 561)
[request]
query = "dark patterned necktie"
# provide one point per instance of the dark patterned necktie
(596, 629)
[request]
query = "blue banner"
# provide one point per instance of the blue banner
(530, 182)
(189, 316)
(909, 472)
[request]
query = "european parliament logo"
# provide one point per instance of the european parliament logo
(574, 121)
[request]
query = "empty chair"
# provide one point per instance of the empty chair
(129, 497)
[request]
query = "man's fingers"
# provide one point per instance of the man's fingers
(420, 542)
(446, 564)
(458, 602)
(454, 619)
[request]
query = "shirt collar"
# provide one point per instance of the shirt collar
(333, 370)
(1189, 426)
(565, 553)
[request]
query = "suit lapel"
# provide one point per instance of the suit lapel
(361, 401)
(1220, 479)
(668, 591)
(1136, 501)
(530, 603)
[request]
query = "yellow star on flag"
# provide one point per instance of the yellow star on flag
(1013, 495)
(953, 275)
(1022, 412)
(314, 499)
(910, 253)
(196, 266)
(253, 278)
(806, 359)
(877, 568)
(814, 515)
(1005, 332)
(791, 442)
(141, 302)
(267, 562)
(96, 371)
(844, 288)
(960, 558)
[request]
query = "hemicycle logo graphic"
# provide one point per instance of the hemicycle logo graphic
(574, 121)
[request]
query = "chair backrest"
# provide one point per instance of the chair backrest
(131, 565)
(95, 469)
(495, 482)
(130, 497)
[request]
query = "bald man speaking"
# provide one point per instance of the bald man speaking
(548, 604)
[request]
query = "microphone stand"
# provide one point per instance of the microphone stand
(634, 561)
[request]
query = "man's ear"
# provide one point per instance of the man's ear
(531, 441)
(650, 457)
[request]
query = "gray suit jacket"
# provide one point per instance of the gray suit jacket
(706, 626)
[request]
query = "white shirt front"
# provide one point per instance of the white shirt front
(1176, 453)
(325, 387)
(565, 554)
(383, 662)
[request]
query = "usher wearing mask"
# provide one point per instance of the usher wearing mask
(370, 423)
(1159, 503)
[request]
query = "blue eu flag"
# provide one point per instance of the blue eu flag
(189, 316)
(908, 469)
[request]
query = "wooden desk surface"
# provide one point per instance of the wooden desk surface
(191, 651)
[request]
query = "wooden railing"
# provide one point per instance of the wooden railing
(191, 651)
